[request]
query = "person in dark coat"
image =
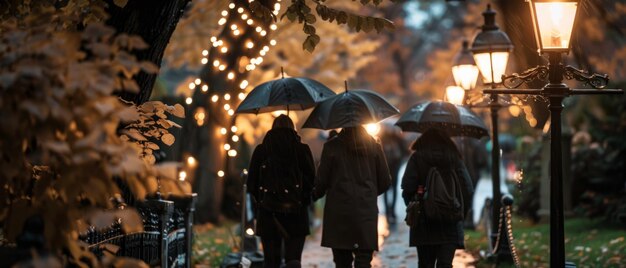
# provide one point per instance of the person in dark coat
(395, 151)
(278, 228)
(436, 242)
(352, 173)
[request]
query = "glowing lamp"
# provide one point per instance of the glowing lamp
(455, 95)
(491, 48)
(373, 129)
(464, 70)
(553, 22)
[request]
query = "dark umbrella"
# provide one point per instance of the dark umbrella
(350, 109)
(453, 119)
(292, 93)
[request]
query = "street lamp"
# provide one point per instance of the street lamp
(464, 68)
(553, 23)
(455, 95)
(491, 48)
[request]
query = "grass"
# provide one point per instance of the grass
(588, 243)
(211, 243)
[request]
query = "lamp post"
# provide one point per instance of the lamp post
(491, 48)
(553, 22)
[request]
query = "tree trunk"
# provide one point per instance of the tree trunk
(154, 21)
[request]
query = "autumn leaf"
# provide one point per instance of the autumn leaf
(179, 111)
(120, 3)
(168, 139)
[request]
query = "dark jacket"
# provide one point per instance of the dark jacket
(352, 173)
(283, 142)
(429, 232)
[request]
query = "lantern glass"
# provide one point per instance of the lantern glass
(492, 66)
(554, 22)
(455, 94)
(465, 75)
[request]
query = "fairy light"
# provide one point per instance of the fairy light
(250, 44)
(216, 44)
(222, 67)
(188, 100)
(233, 27)
(233, 129)
(226, 146)
(259, 60)
(249, 21)
(231, 6)
(231, 112)
(230, 75)
(243, 84)
(263, 33)
(224, 49)
(220, 173)
(226, 106)
(191, 161)
(213, 39)
(197, 81)
(242, 96)
(205, 88)
(204, 60)
(240, 10)
(236, 32)
(221, 21)
(262, 52)
(273, 42)
(192, 85)
(216, 63)
(244, 16)
(266, 48)
(182, 175)
(226, 97)
(214, 98)
(205, 52)
(273, 27)
(232, 153)
(258, 29)
(235, 138)
(223, 131)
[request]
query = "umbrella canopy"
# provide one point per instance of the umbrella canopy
(293, 93)
(350, 109)
(453, 119)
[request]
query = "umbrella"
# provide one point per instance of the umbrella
(453, 119)
(292, 93)
(350, 109)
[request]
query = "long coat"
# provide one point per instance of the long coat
(352, 173)
(284, 142)
(430, 232)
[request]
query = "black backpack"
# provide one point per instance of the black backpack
(443, 197)
(280, 184)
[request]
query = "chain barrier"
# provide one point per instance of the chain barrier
(505, 210)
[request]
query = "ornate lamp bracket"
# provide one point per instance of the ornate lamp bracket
(515, 80)
(598, 81)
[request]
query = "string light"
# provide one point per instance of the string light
(220, 173)
(243, 84)
(226, 97)
(226, 106)
(192, 85)
(231, 112)
(214, 98)
(216, 63)
(273, 42)
(224, 13)
(204, 60)
(232, 153)
(259, 29)
(221, 21)
(222, 67)
(233, 27)
(197, 81)
(240, 10)
(224, 49)
(263, 33)
(242, 96)
(223, 131)
(231, 6)
(205, 88)
(235, 138)
(244, 16)
(191, 161)
(233, 128)
(249, 21)
(273, 27)
(182, 175)
(188, 100)
(249, 44)
(213, 39)
(226, 146)
(262, 52)
(205, 52)
(266, 48)
(236, 32)
(231, 75)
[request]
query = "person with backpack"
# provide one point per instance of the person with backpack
(352, 173)
(438, 182)
(280, 180)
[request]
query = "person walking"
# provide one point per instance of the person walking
(352, 173)
(395, 151)
(436, 240)
(280, 180)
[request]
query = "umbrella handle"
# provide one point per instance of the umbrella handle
(282, 72)
(345, 83)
